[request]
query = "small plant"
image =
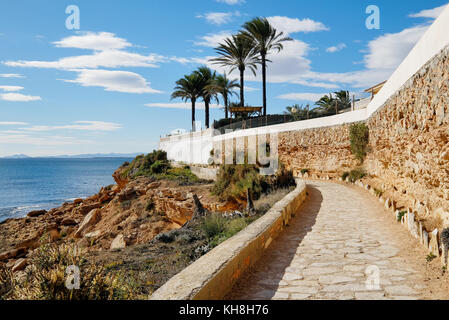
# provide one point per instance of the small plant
(150, 205)
(356, 174)
(378, 192)
(443, 270)
(430, 257)
(344, 176)
(401, 214)
(304, 171)
(359, 137)
(213, 225)
(125, 205)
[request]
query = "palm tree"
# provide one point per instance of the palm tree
(238, 52)
(343, 99)
(188, 88)
(224, 87)
(266, 39)
(207, 77)
(326, 104)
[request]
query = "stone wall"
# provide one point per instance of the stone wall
(409, 146)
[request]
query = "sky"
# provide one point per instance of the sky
(106, 87)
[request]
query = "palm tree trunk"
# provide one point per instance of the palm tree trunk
(206, 104)
(264, 83)
(225, 100)
(193, 114)
(242, 87)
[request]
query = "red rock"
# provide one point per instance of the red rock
(91, 219)
(69, 222)
(36, 213)
(19, 265)
(12, 254)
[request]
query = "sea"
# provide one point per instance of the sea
(44, 183)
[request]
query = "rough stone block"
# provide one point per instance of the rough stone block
(434, 244)
(425, 239)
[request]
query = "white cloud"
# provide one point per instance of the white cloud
(231, 2)
(11, 75)
(430, 13)
(182, 105)
(22, 138)
(93, 41)
(119, 81)
(107, 59)
(389, 50)
(294, 25)
(313, 97)
(11, 88)
(78, 125)
(336, 48)
(219, 18)
(17, 97)
(3, 123)
(212, 40)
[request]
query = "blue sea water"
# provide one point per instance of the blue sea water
(35, 184)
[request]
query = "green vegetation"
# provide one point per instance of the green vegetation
(218, 228)
(150, 205)
(304, 171)
(430, 257)
(354, 175)
(156, 166)
(359, 137)
(45, 278)
(401, 215)
(234, 180)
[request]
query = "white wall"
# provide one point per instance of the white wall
(195, 148)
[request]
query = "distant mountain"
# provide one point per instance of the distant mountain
(97, 155)
(79, 156)
(17, 156)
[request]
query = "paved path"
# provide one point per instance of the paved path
(341, 238)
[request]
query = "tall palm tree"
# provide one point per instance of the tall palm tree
(224, 87)
(343, 99)
(188, 88)
(266, 39)
(326, 104)
(207, 77)
(238, 52)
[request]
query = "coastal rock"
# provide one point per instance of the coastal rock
(91, 219)
(19, 265)
(69, 222)
(118, 243)
(127, 194)
(85, 209)
(36, 213)
(12, 254)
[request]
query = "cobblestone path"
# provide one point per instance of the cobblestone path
(340, 243)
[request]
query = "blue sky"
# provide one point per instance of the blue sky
(106, 87)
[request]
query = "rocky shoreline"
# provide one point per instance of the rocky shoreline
(126, 214)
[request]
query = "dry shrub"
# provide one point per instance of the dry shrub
(45, 278)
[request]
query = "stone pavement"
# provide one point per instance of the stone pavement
(341, 245)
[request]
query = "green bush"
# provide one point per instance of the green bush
(401, 214)
(150, 205)
(212, 225)
(357, 174)
(359, 137)
(304, 171)
(345, 175)
(156, 166)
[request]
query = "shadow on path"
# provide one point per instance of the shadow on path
(262, 281)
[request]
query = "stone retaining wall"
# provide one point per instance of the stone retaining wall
(212, 276)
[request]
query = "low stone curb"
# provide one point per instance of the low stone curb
(213, 275)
